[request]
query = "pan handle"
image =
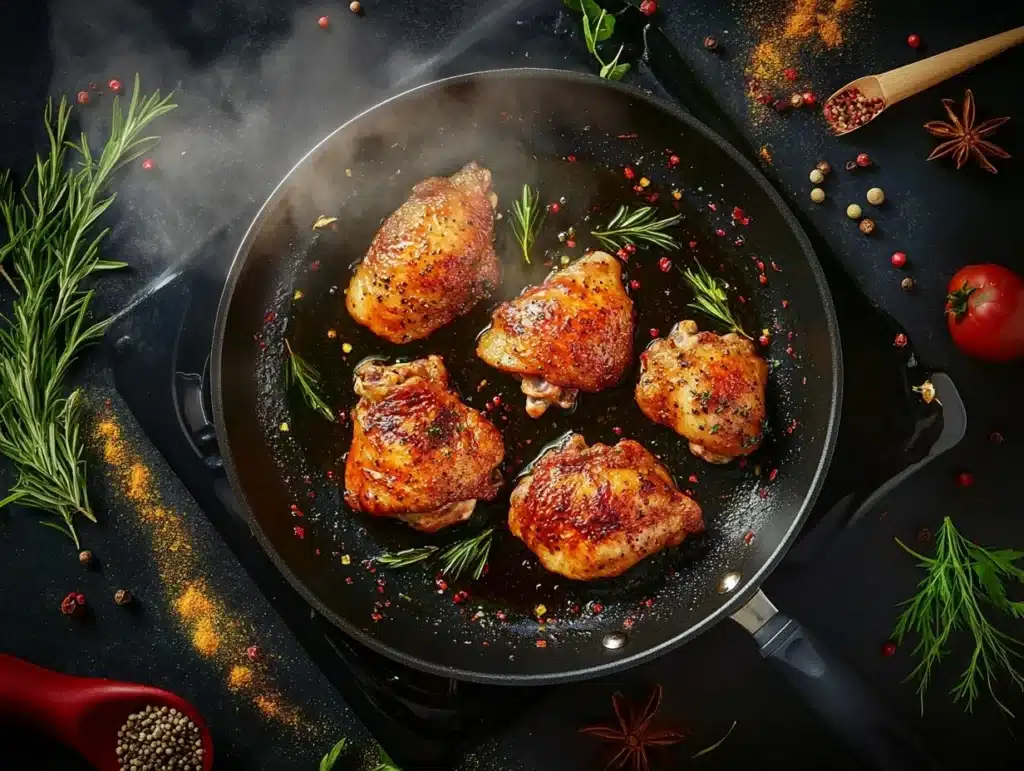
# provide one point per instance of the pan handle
(871, 731)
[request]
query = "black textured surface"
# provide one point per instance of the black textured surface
(260, 83)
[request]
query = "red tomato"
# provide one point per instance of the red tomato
(985, 312)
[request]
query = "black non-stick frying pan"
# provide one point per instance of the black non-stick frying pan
(571, 137)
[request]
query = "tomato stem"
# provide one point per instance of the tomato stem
(956, 301)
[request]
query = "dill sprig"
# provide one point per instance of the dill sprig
(462, 555)
(631, 226)
(299, 372)
(527, 220)
(963, 580)
(710, 298)
(52, 247)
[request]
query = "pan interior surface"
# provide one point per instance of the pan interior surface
(572, 139)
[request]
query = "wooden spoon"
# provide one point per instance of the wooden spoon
(84, 713)
(896, 85)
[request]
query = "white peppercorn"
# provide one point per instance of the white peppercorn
(853, 211)
(817, 195)
(816, 176)
(875, 196)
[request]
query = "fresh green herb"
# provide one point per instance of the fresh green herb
(52, 246)
(710, 298)
(298, 372)
(963, 579)
(630, 226)
(327, 764)
(716, 428)
(468, 553)
(385, 762)
(406, 557)
(598, 25)
(704, 397)
(716, 745)
(435, 431)
(527, 219)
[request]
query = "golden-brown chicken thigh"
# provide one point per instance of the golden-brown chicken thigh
(572, 333)
(432, 260)
(594, 512)
(709, 388)
(418, 453)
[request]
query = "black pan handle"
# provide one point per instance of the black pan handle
(869, 729)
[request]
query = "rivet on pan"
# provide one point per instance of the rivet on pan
(614, 641)
(729, 582)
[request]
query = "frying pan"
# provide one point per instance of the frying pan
(570, 136)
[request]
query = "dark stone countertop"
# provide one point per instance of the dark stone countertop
(258, 83)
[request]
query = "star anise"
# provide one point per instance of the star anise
(634, 733)
(963, 138)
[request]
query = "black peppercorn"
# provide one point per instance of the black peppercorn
(710, 43)
(85, 557)
(867, 226)
(907, 284)
(122, 597)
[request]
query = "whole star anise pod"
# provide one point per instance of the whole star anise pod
(633, 733)
(963, 138)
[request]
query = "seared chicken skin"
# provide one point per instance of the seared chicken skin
(594, 512)
(432, 260)
(709, 388)
(572, 333)
(418, 453)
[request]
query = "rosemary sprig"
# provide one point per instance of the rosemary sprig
(710, 298)
(468, 553)
(328, 760)
(527, 220)
(52, 246)
(299, 372)
(630, 226)
(406, 557)
(963, 579)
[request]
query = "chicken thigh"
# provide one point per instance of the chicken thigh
(594, 512)
(572, 333)
(707, 387)
(432, 260)
(418, 453)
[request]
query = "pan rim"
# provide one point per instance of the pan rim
(750, 587)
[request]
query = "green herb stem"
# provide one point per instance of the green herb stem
(303, 375)
(527, 220)
(638, 226)
(469, 553)
(710, 298)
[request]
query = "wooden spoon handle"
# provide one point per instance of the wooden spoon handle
(911, 79)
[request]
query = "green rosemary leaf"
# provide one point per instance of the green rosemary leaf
(716, 745)
(961, 581)
(472, 552)
(527, 220)
(710, 298)
(637, 226)
(305, 376)
(406, 557)
(53, 245)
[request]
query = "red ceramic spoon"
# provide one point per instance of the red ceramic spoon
(85, 713)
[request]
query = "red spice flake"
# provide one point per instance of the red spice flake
(348, 579)
(570, 244)
(628, 623)
(263, 345)
(654, 332)
(147, 164)
(792, 427)
(762, 279)
(634, 284)
(738, 214)
(307, 479)
(82, 97)
(719, 232)
(889, 649)
(775, 267)
(73, 604)
(665, 264)
(785, 303)
(314, 265)
(693, 244)
(311, 494)
(460, 596)
(995, 437)
(622, 255)
(740, 240)
(648, 7)
(541, 643)
(749, 537)
(965, 479)
(653, 197)
(648, 603)
(376, 616)
(900, 341)
(330, 474)
(742, 300)
(713, 206)
(630, 248)
(790, 73)
(597, 607)
(760, 266)
(673, 160)
(501, 615)
(628, 172)
(743, 463)
(114, 85)
(763, 493)
(693, 479)
(789, 350)
(772, 474)
(630, 135)
(299, 531)
(638, 188)
(571, 158)
(809, 98)
(441, 584)
(554, 207)
(253, 652)
(617, 430)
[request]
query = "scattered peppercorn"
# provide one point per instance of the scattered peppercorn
(83, 97)
(159, 737)
(114, 85)
(907, 284)
(849, 109)
(853, 211)
(875, 196)
(898, 259)
(253, 652)
(665, 264)
(965, 479)
(122, 597)
(673, 160)
(796, 99)
(324, 22)
(73, 604)
(85, 557)
(900, 341)
(867, 226)
(355, 6)
(863, 160)
(914, 40)
(889, 649)
(824, 167)
(710, 43)
(648, 7)
(762, 279)
(554, 207)
(809, 99)
(816, 176)
(817, 195)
